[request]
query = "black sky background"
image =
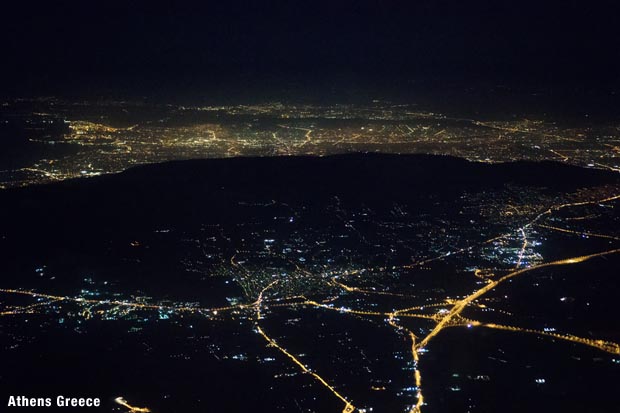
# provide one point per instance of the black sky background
(300, 49)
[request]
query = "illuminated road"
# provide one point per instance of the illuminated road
(130, 408)
(348, 407)
(450, 319)
(578, 233)
(449, 312)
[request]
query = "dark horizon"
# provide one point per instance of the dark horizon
(342, 51)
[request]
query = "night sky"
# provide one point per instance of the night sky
(339, 47)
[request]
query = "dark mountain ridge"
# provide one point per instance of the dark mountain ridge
(197, 190)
